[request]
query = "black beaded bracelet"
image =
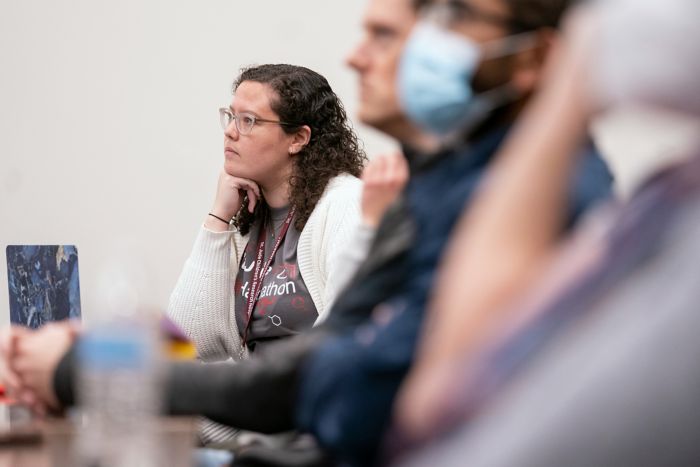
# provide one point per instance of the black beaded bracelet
(222, 220)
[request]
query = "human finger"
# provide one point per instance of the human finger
(398, 171)
(252, 200)
(247, 184)
(377, 168)
(11, 376)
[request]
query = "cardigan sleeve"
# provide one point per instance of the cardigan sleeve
(351, 256)
(344, 247)
(201, 303)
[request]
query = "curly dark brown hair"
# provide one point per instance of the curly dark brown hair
(305, 98)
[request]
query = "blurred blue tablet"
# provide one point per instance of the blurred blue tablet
(43, 283)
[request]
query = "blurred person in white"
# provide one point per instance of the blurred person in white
(580, 352)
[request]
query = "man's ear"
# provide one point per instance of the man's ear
(299, 140)
(529, 64)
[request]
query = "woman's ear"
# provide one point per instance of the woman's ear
(299, 140)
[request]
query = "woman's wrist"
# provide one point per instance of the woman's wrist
(221, 219)
(216, 223)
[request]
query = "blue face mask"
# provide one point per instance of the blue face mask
(434, 81)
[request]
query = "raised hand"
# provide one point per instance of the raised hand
(383, 178)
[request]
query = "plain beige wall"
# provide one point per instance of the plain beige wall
(109, 134)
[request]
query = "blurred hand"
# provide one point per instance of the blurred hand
(9, 337)
(229, 195)
(567, 75)
(384, 178)
(35, 358)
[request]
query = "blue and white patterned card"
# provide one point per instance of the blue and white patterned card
(43, 283)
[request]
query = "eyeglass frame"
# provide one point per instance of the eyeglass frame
(451, 10)
(236, 118)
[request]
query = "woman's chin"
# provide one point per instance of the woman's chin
(234, 170)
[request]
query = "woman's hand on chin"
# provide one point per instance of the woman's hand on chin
(230, 192)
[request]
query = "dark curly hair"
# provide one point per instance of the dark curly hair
(305, 98)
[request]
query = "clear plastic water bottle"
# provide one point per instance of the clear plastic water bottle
(120, 379)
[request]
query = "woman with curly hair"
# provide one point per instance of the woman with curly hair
(269, 261)
(288, 200)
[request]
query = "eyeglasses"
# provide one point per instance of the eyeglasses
(452, 12)
(244, 121)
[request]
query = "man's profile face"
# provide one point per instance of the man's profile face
(387, 25)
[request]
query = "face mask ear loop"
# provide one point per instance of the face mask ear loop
(503, 47)
(509, 45)
(483, 105)
(487, 102)
(498, 96)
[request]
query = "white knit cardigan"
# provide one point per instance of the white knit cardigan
(202, 302)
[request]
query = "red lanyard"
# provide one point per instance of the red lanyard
(260, 270)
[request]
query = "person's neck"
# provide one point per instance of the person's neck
(276, 194)
(499, 118)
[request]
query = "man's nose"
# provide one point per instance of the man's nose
(357, 58)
